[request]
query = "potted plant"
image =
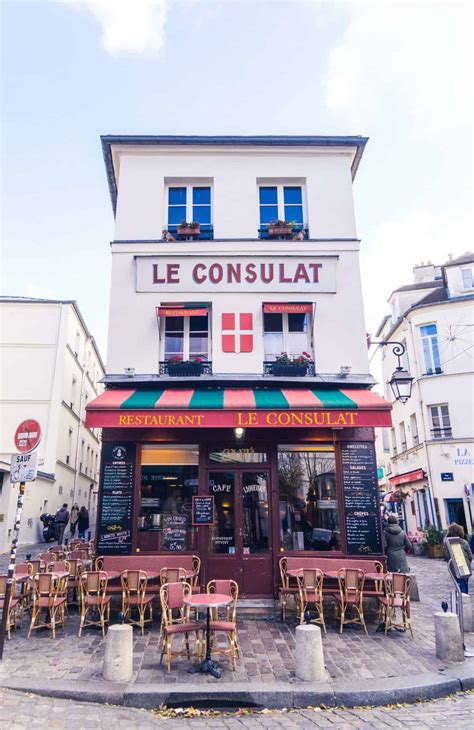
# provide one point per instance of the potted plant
(192, 229)
(291, 366)
(279, 228)
(177, 367)
(434, 542)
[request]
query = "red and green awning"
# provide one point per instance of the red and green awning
(230, 407)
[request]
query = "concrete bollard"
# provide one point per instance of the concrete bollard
(415, 594)
(449, 644)
(118, 659)
(467, 613)
(309, 653)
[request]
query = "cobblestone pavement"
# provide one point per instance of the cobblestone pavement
(21, 711)
(267, 646)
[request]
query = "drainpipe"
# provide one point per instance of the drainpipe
(79, 430)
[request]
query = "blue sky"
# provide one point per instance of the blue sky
(399, 73)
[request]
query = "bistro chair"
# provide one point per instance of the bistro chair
(46, 558)
(74, 580)
(310, 587)
(350, 596)
(286, 589)
(93, 588)
(228, 623)
(14, 610)
(56, 553)
(194, 580)
(134, 583)
(397, 595)
(23, 583)
(172, 597)
(47, 597)
(172, 575)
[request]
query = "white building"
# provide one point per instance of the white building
(429, 454)
(50, 368)
(274, 451)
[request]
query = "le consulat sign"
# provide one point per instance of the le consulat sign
(207, 273)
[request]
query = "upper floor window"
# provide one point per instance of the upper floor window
(191, 204)
(429, 341)
(414, 429)
(186, 337)
(440, 422)
(281, 202)
(467, 279)
(403, 436)
(286, 332)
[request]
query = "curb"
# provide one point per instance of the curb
(273, 695)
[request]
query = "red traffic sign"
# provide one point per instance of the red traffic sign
(27, 435)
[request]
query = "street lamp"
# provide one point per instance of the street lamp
(401, 381)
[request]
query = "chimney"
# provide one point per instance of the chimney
(424, 272)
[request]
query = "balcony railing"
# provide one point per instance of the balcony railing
(263, 234)
(442, 433)
(205, 233)
(434, 371)
(185, 370)
(270, 367)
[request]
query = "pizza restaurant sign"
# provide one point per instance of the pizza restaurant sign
(236, 274)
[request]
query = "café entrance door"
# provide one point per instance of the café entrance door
(239, 543)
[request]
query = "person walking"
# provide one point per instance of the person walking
(73, 518)
(396, 543)
(83, 521)
(62, 518)
(455, 530)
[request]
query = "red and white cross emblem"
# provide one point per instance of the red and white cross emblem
(237, 332)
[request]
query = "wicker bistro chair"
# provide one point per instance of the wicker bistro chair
(397, 595)
(350, 596)
(172, 575)
(310, 587)
(227, 624)
(172, 597)
(194, 580)
(74, 581)
(14, 610)
(286, 589)
(47, 597)
(134, 583)
(93, 589)
(79, 554)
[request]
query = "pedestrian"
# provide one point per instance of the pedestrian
(455, 530)
(83, 522)
(61, 518)
(396, 543)
(73, 518)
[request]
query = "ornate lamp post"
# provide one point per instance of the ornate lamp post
(401, 381)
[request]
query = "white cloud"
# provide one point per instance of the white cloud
(410, 59)
(128, 26)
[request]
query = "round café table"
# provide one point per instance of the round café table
(208, 601)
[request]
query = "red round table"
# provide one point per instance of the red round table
(208, 601)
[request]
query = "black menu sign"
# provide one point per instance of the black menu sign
(116, 509)
(203, 510)
(174, 532)
(360, 483)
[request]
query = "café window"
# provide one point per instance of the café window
(186, 337)
(168, 482)
(246, 455)
(286, 332)
(308, 500)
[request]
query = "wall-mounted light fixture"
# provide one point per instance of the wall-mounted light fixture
(129, 372)
(401, 381)
(239, 432)
(344, 371)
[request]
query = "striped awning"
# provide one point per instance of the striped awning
(249, 407)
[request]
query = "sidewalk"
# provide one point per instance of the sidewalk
(355, 663)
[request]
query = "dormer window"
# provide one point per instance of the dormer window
(467, 279)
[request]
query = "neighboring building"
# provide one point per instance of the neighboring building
(429, 453)
(286, 455)
(50, 368)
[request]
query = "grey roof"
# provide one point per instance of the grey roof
(466, 258)
(225, 140)
(438, 295)
(72, 302)
(420, 285)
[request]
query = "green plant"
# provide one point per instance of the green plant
(434, 536)
(193, 224)
(284, 359)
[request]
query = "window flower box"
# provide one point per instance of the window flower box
(189, 230)
(292, 367)
(279, 229)
(178, 368)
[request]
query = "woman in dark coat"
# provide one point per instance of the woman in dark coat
(396, 543)
(83, 521)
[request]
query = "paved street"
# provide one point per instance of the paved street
(19, 712)
(267, 646)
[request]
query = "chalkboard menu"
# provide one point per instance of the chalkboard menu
(116, 508)
(174, 532)
(203, 511)
(359, 476)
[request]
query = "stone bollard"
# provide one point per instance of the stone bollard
(449, 644)
(118, 659)
(415, 594)
(467, 613)
(309, 653)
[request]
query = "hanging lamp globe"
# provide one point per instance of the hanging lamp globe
(401, 384)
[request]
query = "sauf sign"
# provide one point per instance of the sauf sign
(236, 273)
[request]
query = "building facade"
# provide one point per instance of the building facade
(228, 252)
(50, 369)
(429, 454)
